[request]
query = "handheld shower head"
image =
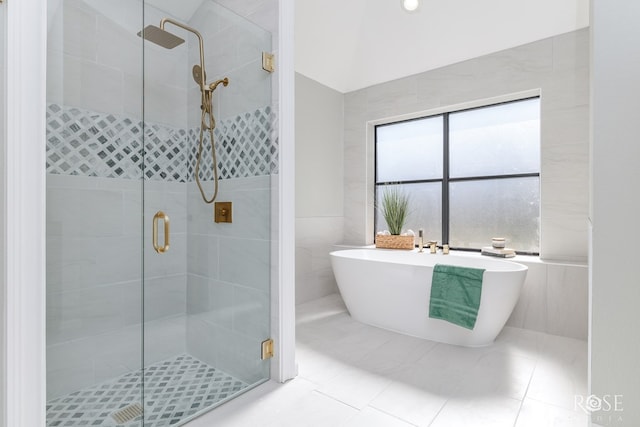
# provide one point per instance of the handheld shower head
(199, 75)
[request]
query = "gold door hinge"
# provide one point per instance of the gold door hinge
(267, 349)
(268, 62)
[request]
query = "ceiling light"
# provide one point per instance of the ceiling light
(410, 5)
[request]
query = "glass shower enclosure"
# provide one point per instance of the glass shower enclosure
(156, 312)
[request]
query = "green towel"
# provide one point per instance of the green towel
(455, 294)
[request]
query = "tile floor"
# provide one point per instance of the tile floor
(174, 390)
(354, 375)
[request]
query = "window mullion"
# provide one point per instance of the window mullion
(445, 179)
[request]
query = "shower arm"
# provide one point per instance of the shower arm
(203, 84)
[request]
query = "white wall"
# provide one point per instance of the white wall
(319, 185)
(2, 208)
(557, 67)
(615, 290)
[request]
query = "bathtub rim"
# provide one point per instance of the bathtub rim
(441, 258)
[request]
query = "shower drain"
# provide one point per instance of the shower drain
(127, 413)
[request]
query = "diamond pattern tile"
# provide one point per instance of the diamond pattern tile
(243, 147)
(81, 142)
(174, 390)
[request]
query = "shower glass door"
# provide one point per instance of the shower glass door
(143, 334)
(94, 213)
(207, 296)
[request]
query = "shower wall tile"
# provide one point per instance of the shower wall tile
(202, 340)
(70, 263)
(221, 308)
(198, 298)
(220, 53)
(76, 213)
(76, 364)
(233, 261)
(244, 7)
(249, 88)
(69, 368)
(165, 67)
(116, 259)
(169, 197)
(118, 48)
(165, 296)
(92, 86)
(174, 262)
(211, 18)
(248, 365)
(78, 314)
(86, 143)
(265, 16)
(202, 255)
(78, 28)
(164, 338)
(250, 197)
(131, 99)
(239, 356)
(251, 42)
(250, 309)
(245, 262)
(55, 77)
(165, 104)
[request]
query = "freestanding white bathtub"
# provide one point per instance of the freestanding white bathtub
(390, 289)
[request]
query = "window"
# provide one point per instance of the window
(471, 175)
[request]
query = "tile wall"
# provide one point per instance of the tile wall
(319, 185)
(554, 299)
(558, 67)
(228, 278)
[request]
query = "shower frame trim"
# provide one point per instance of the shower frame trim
(23, 303)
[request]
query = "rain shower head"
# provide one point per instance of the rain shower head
(160, 37)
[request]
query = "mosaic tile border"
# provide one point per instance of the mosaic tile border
(81, 142)
(175, 389)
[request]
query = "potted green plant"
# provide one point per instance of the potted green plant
(394, 208)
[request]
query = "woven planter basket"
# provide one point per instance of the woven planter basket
(395, 242)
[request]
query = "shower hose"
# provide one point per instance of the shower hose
(208, 123)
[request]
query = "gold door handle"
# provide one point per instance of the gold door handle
(156, 218)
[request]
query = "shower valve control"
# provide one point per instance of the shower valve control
(222, 212)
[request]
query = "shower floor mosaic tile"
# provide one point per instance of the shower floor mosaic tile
(174, 390)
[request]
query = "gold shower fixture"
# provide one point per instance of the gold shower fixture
(161, 37)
